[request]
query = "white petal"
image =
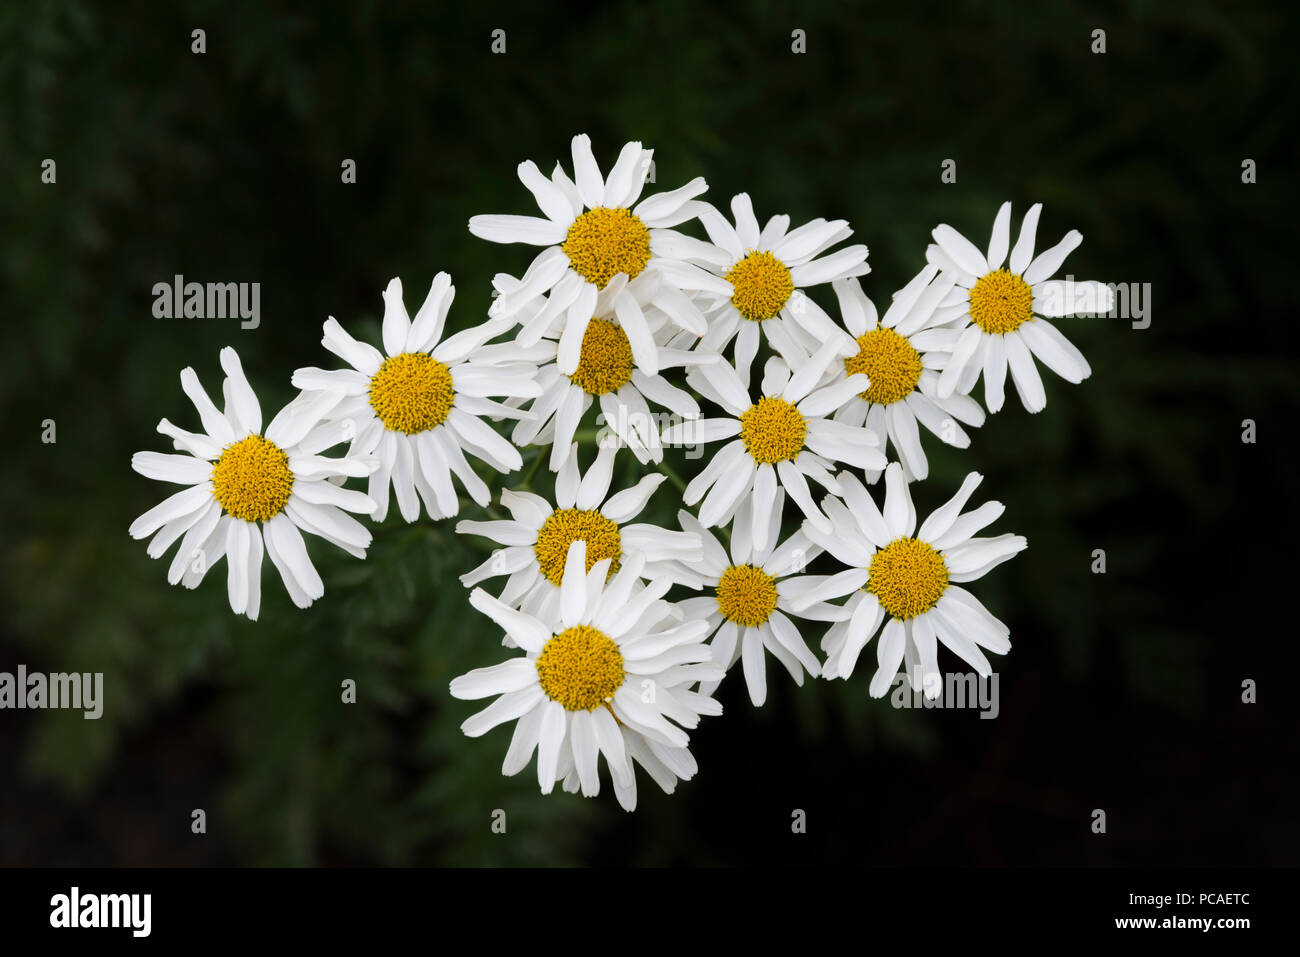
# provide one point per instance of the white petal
(1001, 238)
(907, 439)
(1069, 297)
(849, 261)
(573, 584)
(245, 400)
(1024, 250)
(833, 397)
(746, 223)
(1048, 262)
(429, 321)
(237, 564)
(726, 492)
(900, 513)
(397, 324)
(595, 484)
(889, 655)
(524, 741)
(796, 486)
(501, 531)
(185, 502)
(582, 739)
(924, 638)
(1025, 374)
(527, 631)
(671, 208)
(625, 179)
(805, 378)
(960, 250)
(754, 664)
(586, 173)
(610, 741)
(995, 371)
(857, 311)
(214, 423)
(644, 351)
(506, 708)
(178, 469)
(721, 233)
(362, 356)
(941, 519)
(962, 357)
(532, 230)
(627, 504)
(551, 199)
(513, 675)
(291, 551)
(969, 524)
(765, 494)
(569, 354)
(1055, 351)
(865, 511)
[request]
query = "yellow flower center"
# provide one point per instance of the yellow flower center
(251, 481)
(412, 393)
(605, 364)
(1000, 302)
(603, 242)
(772, 430)
(565, 526)
(761, 284)
(908, 577)
(746, 595)
(889, 361)
(581, 668)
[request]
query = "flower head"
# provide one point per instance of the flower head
(250, 491)
(1000, 310)
(605, 672)
(418, 406)
(910, 580)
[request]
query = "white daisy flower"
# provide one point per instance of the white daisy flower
(608, 372)
(764, 271)
(248, 490)
(908, 579)
(1003, 308)
(419, 405)
(592, 232)
(611, 653)
(537, 536)
(902, 353)
(782, 440)
(748, 601)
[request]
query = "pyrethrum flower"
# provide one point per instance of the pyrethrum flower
(902, 353)
(608, 372)
(782, 440)
(764, 271)
(1003, 309)
(419, 405)
(592, 232)
(249, 491)
(538, 535)
(601, 675)
(909, 580)
(747, 598)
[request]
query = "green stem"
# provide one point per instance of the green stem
(673, 477)
(532, 469)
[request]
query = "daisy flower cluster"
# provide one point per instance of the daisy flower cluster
(649, 320)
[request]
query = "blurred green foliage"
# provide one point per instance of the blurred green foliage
(225, 167)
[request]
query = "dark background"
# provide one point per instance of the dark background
(1122, 691)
